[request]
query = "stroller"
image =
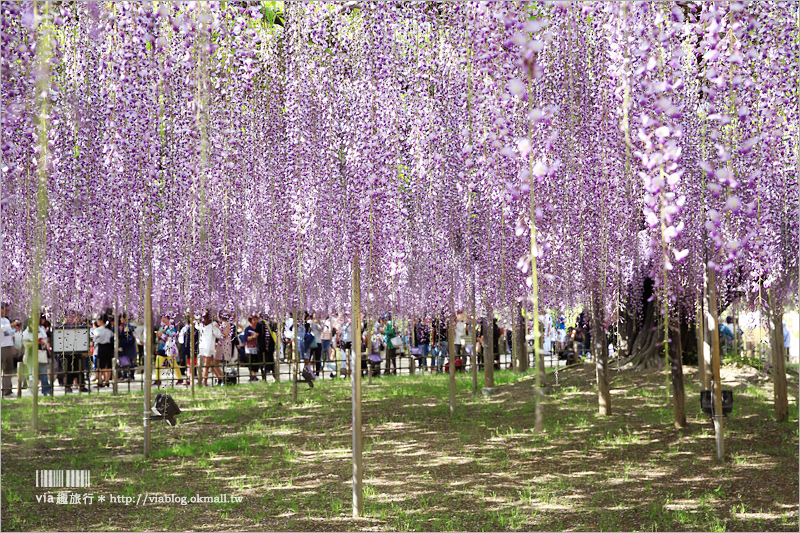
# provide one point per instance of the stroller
(459, 365)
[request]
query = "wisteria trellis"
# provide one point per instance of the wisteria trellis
(244, 163)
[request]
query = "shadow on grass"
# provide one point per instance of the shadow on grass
(482, 469)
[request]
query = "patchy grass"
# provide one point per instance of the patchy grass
(483, 469)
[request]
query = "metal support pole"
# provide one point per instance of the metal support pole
(716, 383)
(116, 351)
(191, 354)
(451, 349)
(296, 356)
(358, 467)
(148, 363)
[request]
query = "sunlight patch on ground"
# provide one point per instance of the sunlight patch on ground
(682, 504)
(757, 516)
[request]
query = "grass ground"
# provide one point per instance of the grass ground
(484, 469)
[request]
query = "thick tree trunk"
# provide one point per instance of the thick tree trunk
(676, 368)
(778, 359)
(600, 349)
(640, 340)
(644, 340)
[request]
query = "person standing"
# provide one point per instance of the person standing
(209, 334)
(40, 353)
(561, 333)
(787, 340)
(316, 346)
(391, 349)
(19, 346)
(127, 349)
(440, 330)
(188, 358)
(460, 336)
(266, 347)
(223, 347)
(346, 345)
(326, 336)
(288, 328)
(422, 336)
(104, 349)
(548, 330)
(166, 336)
(585, 325)
(251, 345)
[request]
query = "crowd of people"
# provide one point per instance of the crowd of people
(207, 347)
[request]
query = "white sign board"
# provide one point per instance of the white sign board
(70, 340)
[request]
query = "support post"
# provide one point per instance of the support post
(412, 362)
(295, 356)
(116, 351)
(148, 359)
(358, 468)
(451, 353)
(33, 363)
(520, 344)
(191, 354)
(488, 349)
(778, 359)
(474, 340)
(710, 330)
(700, 331)
(676, 369)
(600, 346)
(717, 384)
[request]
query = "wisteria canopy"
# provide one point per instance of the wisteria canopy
(245, 154)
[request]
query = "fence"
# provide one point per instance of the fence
(77, 372)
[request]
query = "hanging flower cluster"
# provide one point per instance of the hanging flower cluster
(464, 153)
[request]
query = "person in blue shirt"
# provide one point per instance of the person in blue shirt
(787, 340)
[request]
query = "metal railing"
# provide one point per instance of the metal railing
(77, 373)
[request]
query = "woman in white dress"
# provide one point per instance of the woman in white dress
(209, 333)
(549, 333)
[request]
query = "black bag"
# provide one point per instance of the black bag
(165, 408)
(308, 376)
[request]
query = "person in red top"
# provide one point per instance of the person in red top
(251, 346)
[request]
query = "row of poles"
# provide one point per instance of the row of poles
(707, 339)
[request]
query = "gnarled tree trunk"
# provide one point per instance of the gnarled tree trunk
(644, 335)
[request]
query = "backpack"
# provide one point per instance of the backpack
(308, 339)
